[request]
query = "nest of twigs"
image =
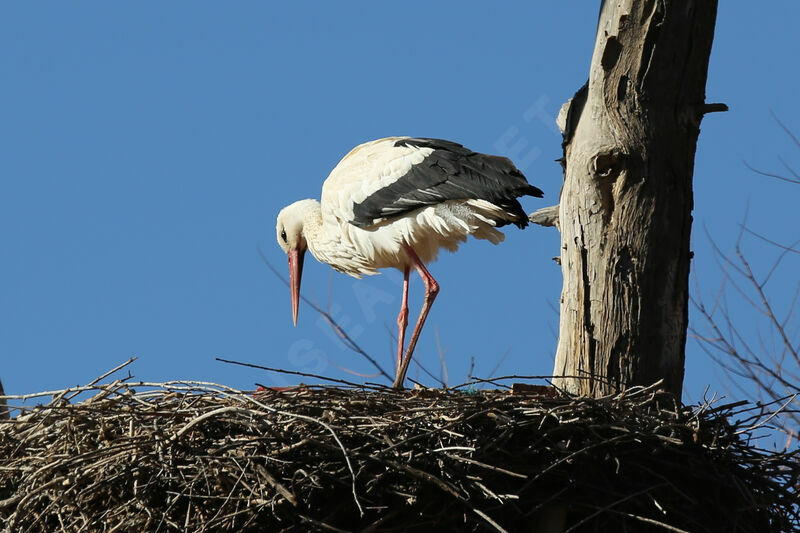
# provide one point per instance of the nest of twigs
(202, 457)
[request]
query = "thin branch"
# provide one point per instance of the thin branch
(349, 342)
(445, 377)
(785, 129)
(770, 174)
(791, 249)
(500, 362)
(294, 373)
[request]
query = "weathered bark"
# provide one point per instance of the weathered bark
(625, 219)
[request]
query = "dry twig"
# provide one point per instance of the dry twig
(189, 456)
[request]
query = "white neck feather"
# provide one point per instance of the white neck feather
(311, 214)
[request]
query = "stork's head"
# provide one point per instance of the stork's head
(290, 237)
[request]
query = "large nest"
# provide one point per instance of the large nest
(203, 457)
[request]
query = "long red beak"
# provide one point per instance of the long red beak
(295, 273)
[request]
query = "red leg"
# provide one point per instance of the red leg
(402, 320)
(431, 290)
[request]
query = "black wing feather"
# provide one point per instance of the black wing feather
(450, 172)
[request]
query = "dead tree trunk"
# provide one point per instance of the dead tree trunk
(625, 211)
(4, 412)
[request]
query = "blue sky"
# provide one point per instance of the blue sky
(145, 151)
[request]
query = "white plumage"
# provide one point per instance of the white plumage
(394, 203)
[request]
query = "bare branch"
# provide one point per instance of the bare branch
(349, 342)
(546, 216)
(771, 174)
(786, 129)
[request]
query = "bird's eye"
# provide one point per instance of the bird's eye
(283, 236)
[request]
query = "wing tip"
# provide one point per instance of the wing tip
(534, 191)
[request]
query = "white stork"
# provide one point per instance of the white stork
(393, 203)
